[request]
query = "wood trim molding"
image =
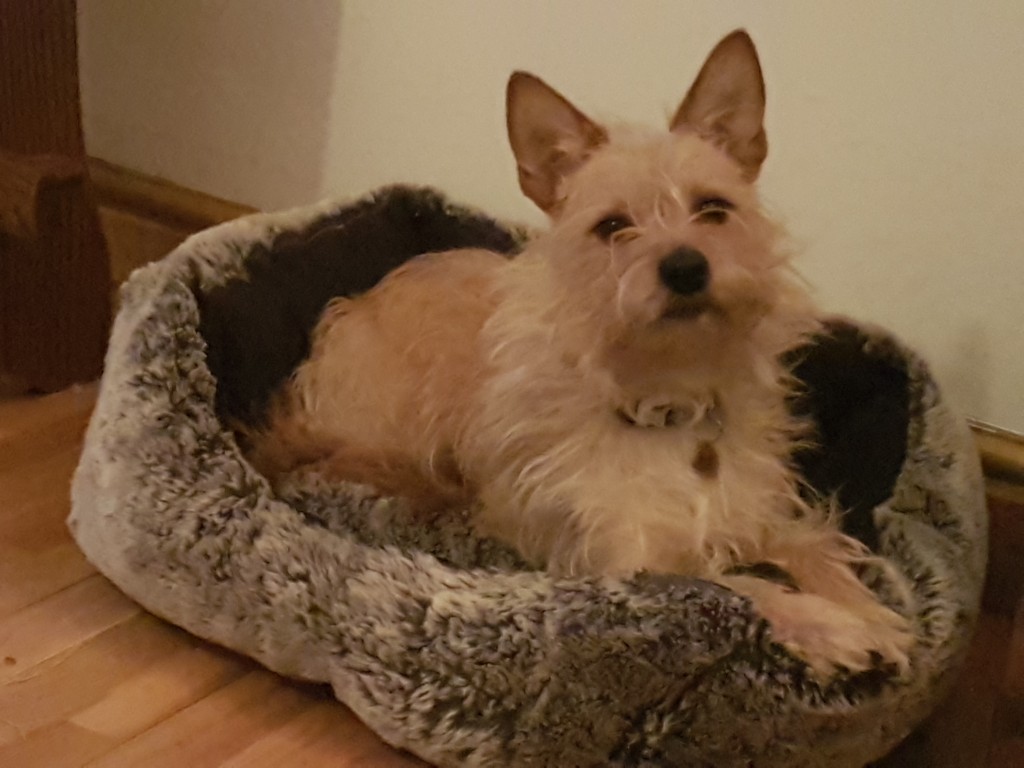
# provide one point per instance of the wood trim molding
(145, 217)
(1002, 451)
(154, 198)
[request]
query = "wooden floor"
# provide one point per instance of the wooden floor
(87, 678)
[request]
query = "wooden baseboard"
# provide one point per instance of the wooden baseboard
(162, 200)
(145, 217)
(1002, 452)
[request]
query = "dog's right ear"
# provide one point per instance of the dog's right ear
(549, 136)
(726, 102)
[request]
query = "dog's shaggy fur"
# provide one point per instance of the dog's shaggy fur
(615, 395)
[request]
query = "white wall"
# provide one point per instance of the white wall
(896, 129)
(232, 97)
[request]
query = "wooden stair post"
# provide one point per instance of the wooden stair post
(54, 271)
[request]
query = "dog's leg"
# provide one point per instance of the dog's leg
(292, 446)
(426, 489)
(284, 445)
(826, 615)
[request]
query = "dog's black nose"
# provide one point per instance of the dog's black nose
(685, 271)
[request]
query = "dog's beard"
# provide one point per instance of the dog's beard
(687, 308)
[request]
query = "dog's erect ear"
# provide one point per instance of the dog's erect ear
(549, 136)
(726, 102)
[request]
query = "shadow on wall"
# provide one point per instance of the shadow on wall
(967, 371)
(231, 97)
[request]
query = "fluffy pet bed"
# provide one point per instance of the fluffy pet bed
(445, 644)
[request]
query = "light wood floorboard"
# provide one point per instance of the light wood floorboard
(87, 678)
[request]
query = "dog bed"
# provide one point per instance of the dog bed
(446, 644)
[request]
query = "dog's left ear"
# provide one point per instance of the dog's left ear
(549, 136)
(726, 103)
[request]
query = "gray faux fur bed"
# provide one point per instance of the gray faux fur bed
(445, 644)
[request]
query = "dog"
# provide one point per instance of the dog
(614, 397)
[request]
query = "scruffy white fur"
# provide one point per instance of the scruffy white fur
(608, 422)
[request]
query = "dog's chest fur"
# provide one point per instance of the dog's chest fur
(578, 466)
(591, 471)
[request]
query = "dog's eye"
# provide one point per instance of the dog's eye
(609, 225)
(714, 210)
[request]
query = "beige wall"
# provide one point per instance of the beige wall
(896, 128)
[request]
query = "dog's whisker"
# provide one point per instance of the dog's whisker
(740, 218)
(672, 190)
(660, 218)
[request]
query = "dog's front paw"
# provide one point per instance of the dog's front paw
(830, 636)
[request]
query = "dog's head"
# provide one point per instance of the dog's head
(663, 231)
